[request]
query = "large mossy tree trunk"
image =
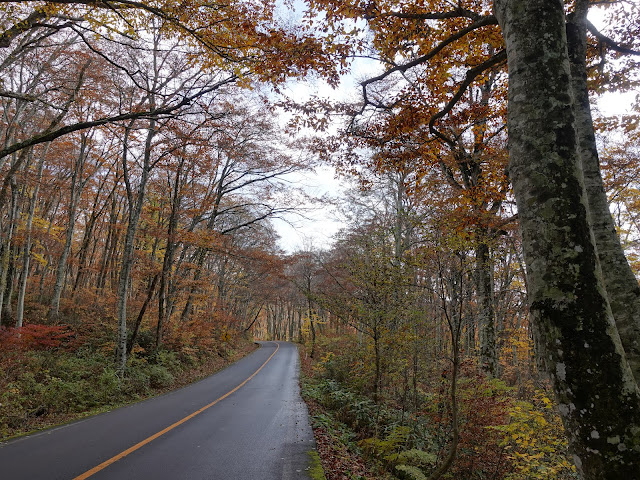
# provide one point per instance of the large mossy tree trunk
(578, 340)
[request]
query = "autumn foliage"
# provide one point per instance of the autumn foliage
(38, 337)
(143, 165)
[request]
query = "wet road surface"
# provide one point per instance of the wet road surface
(210, 430)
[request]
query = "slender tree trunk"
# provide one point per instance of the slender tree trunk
(452, 304)
(311, 322)
(26, 257)
(201, 256)
(45, 269)
(377, 381)
(486, 314)
(254, 319)
(83, 252)
(598, 397)
(128, 249)
(110, 246)
(74, 196)
(290, 322)
(143, 309)
(88, 234)
(167, 262)
(221, 292)
(6, 250)
(11, 283)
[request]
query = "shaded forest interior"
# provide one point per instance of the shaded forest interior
(476, 316)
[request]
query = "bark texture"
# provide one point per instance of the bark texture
(486, 314)
(621, 285)
(598, 396)
(26, 254)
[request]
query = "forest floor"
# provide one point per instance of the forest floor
(339, 454)
(44, 388)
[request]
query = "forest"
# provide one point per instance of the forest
(476, 317)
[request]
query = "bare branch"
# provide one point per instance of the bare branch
(612, 44)
(50, 135)
(18, 96)
(470, 76)
(489, 20)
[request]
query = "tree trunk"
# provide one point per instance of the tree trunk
(109, 246)
(597, 395)
(45, 268)
(128, 249)
(143, 309)
(452, 304)
(311, 323)
(88, 234)
(201, 256)
(6, 250)
(486, 314)
(26, 257)
(621, 284)
(74, 196)
(167, 262)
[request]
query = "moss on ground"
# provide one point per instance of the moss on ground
(316, 471)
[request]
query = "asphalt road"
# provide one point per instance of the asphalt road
(258, 432)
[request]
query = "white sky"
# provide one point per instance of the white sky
(318, 226)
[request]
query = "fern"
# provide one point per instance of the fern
(417, 457)
(407, 472)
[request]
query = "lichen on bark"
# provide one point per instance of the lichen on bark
(620, 282)
(569, 307)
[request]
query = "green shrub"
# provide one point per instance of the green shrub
(146, 339)
(108, 386)
(408, 472)
(66, 396)
(169, 360)
(338, 430)
(418, 458)
(136, 382)
(13, 408)
(159, 376)
(388, 447)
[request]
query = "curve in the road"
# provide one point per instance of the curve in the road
(149, 439)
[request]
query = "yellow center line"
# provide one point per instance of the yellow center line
(138, 445)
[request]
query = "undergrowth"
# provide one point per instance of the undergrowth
(501, 436)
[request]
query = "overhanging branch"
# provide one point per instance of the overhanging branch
(612, 44)
(50, 135)
(470, 76)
